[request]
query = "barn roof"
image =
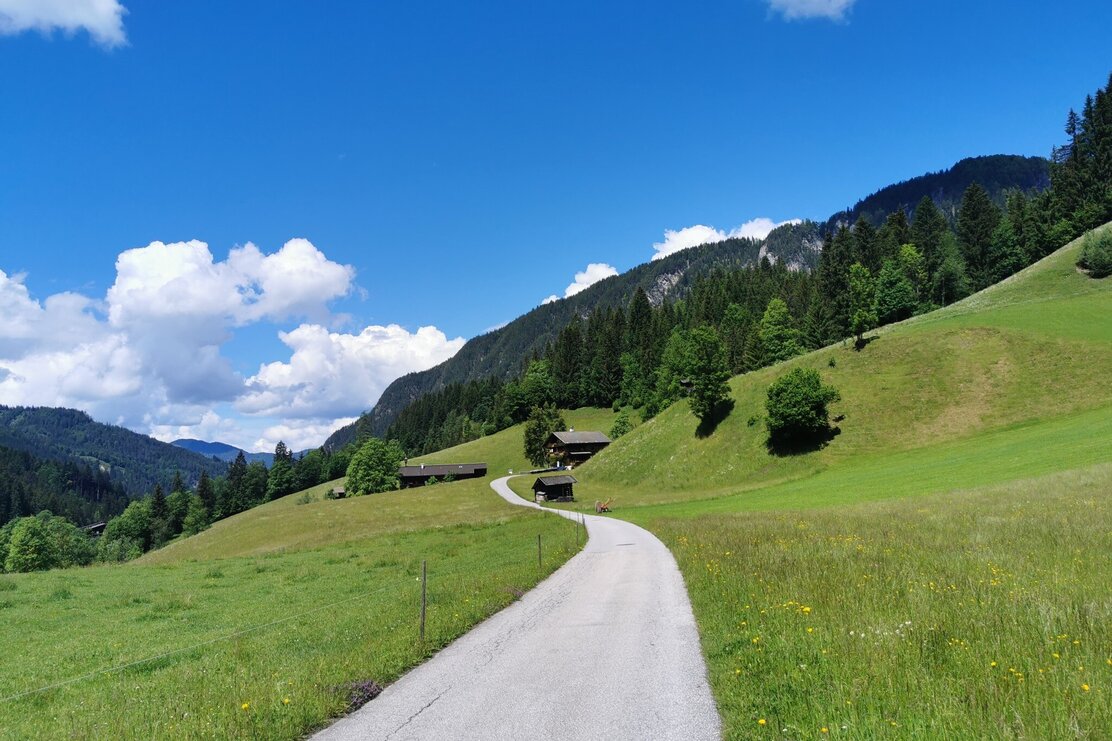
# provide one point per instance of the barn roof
(555, 480)
(441, 469)
(571, 437)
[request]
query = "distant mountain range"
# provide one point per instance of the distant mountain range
(503, 351)
(136, 462)
(226, 452)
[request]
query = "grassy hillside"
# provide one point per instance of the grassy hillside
(260, 626)
(834, 604)
(1020, 366)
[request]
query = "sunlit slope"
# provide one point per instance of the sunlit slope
(1020, 371)
(505, 450)
(292, 523)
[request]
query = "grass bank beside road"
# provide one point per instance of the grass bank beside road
(977, 614)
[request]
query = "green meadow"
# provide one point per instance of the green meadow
(260, 627)
(941, 568)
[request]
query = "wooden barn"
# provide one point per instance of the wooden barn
(419, 475)
(571, 448)
(554, 489)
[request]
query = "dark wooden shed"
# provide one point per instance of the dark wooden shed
(554, 488)
(572, 448)
(419, 475)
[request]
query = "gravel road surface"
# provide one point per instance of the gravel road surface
(605, 648)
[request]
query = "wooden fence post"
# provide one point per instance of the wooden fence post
(424, 595)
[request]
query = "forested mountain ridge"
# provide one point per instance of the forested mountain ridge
(135, 462)
(81, 493)
(503, 352)
(997, 174)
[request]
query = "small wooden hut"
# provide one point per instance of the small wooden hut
(554, 489)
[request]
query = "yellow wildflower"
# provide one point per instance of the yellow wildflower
(245, 706)
(762, 722)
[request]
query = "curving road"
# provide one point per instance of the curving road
(605, 648)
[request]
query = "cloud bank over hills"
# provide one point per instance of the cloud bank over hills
(148, 354)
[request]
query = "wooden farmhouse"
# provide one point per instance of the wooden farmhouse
(571, 448)
(419, 475)
(554, 489)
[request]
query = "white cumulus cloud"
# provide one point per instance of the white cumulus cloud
(149, 355)
(693, 236)
(332, 374)
(791, 10)
(593, 273)
(102, 19)
(299, 434)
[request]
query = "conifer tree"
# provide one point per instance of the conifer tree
(978, 218)
(928, 228)
(895, 296)
(866, 246)
(158, 503)
(862, 302)
(913, 267)
(1006, 254)
(734, 329)
(779, 337)
(205, 492)
(895, 233)
(949, 282)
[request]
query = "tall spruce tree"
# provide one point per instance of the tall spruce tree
(978, 218)
(206, 493)
(866, 245)
(928, 228)
(734, 330)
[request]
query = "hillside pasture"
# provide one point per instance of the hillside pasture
(260, 626)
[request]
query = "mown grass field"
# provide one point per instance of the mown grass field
(265, 622)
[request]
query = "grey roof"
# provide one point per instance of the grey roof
(576, 438)
(441, 469)
(555, 480)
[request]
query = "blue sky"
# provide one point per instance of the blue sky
(448, 165)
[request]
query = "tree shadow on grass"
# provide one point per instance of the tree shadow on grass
(859, 345)
(710, 423)
(785, 446)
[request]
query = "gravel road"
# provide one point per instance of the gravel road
(605, 648)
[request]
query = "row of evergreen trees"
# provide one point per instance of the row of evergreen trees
(154, 520)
